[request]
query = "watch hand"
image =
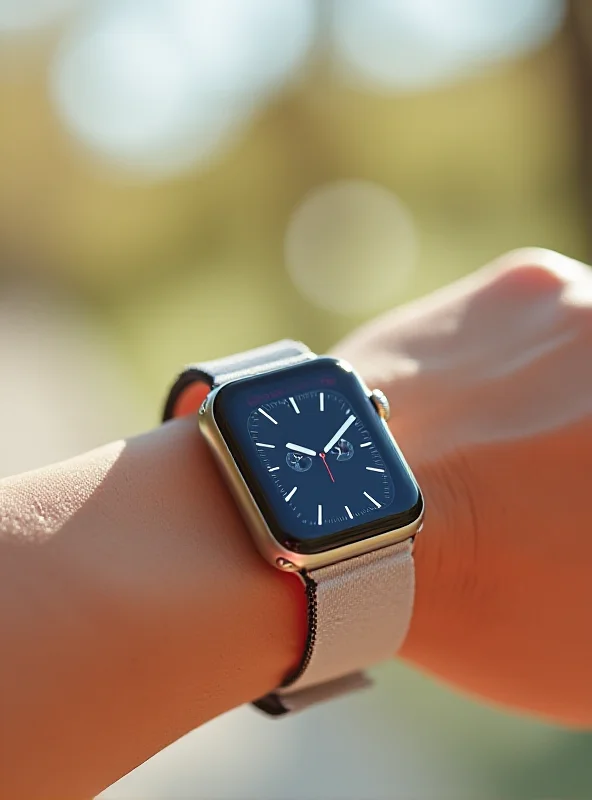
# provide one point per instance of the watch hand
(299, 449)
(324, 457)
(339, 433)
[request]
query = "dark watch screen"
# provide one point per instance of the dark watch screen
(316, 456)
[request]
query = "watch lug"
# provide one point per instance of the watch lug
(285, 565)
(381, 404)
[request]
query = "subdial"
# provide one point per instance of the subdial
(344, 450)
(298, 462)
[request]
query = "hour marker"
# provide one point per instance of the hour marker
(349, 514)
(260, 444)
(294, 406)
(322, 401)
(372, 499)
(265, 414)
(366, 444)
(273, 469)
(374, 469)
(290, 495)
(319, 515)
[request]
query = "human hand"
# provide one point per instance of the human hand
(490, 387)
(156, 623)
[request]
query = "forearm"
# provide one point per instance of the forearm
(133, 607)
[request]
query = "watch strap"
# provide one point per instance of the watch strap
(195, 381)
(359, 609)
(359, 613)
(279, 703)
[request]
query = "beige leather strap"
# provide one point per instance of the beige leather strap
(359, 614)
(358, 610)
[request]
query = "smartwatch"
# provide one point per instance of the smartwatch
(325, 492)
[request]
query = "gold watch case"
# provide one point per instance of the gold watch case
(266, 543)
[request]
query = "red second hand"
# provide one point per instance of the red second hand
(324, 457)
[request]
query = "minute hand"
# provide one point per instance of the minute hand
(339, 433)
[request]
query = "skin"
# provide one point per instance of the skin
(134, 608)
(491, 385)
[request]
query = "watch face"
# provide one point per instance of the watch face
(316, 456)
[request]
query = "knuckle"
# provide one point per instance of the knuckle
(537, 270)
(540, 266)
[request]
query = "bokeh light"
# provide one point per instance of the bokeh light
(161, 86)
(351, 246)
(122, 87)
(250, 48)
(406, 45)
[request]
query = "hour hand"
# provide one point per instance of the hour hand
(299, 449)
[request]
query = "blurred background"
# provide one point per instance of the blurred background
(180, 179)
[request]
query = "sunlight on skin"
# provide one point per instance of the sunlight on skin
(132, 568)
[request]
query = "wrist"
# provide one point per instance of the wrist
(445, 576)
(141, 596)
(235, 625)
(256, 615)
